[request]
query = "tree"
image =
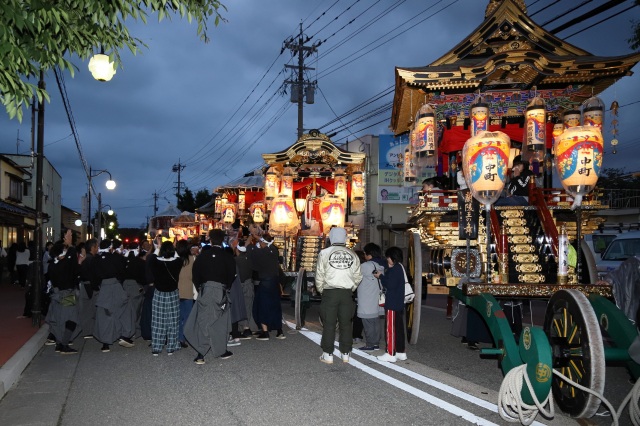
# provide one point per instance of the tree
(612, 178)
(186, 202)
(634, 41)
(202, 197)
(37, 35)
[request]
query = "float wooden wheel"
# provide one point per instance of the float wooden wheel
(577, 352)
(414, 273)
(301, 280)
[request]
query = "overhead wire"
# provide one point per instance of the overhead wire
(350, 58)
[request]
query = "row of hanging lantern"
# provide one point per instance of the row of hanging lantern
(422, 143)
(279, 199)
(578, 146)
(579, 149)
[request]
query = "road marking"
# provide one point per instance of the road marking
(316, 337)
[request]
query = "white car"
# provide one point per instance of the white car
(620, 249)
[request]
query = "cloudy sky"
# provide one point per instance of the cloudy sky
(216, 107)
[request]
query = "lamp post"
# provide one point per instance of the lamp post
(109, 212)
(111, 184)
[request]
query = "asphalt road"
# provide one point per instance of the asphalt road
(272, 382)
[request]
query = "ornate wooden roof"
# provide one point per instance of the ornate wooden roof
(507, 53)
(314, 148)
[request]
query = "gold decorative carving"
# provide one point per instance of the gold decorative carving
(529, 268)
(525, 258)
(520, 239)
(522, 248)
(532, 290)
(518, 230)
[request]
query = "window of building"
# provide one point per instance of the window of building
(15, 188)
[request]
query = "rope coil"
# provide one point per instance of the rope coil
(513, 409)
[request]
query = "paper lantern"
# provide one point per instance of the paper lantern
(228, 213)
(535, 132)
(485, 160)
(286, 185)
(241, 200)
(579, 155)
(340, 181)
(571, 118)
(357, 185)
(283, 217)
(257, 210)
(593, 112)
(425, 131)
(271, 184)
(217, 206)
(331, 212)
(408, 166)
(479, 114)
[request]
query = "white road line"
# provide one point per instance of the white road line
(315, 337)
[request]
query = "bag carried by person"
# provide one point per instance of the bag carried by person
(409, 295)
(381, 296)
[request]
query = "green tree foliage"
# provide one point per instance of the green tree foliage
(202, 197)
(612, 178)
(186, 202)
(634, 41)
(37, 35)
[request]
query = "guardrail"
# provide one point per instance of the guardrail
(619, 198)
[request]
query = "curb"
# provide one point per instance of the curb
(12, 369)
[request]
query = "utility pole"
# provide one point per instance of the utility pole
(36, 309)
(155, 203)
(301, 89)
(178, 168)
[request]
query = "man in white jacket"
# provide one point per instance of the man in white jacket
(337, 276)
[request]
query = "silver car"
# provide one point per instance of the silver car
(620, 249)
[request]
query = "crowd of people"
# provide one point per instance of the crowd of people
(206, 294)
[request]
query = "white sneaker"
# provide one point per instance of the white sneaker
(401, 356)
(326, 358)
(233, 342)
(345, 357)
(386, 357)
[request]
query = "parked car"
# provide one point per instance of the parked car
(599, 241)
(620, 249)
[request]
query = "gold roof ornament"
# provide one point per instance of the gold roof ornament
(506, 55)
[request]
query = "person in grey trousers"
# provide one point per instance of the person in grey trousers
(368, 292)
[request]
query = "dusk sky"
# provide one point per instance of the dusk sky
(216, 107)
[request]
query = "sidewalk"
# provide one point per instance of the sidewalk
(20, 341)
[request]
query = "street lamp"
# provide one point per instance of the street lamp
(101, 67)
(109, 212)
(110, 184)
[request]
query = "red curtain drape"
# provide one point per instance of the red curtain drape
(453, 139)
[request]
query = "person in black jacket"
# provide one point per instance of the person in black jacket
(165, 314)
(209, 322)
(517, 191)
(88, 289)
(62, 316)
(113, 324)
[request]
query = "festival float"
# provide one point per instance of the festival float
(310, 187)
(512, 88)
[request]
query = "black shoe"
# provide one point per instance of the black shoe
(226, 355)
(58, 347)
(246, 335)
(263, 336)
(50, 342)
(199, 360)
(280, 335)
(184, 345)
(105, 348)
(155, 353)
(473, 346)
(66, 350)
